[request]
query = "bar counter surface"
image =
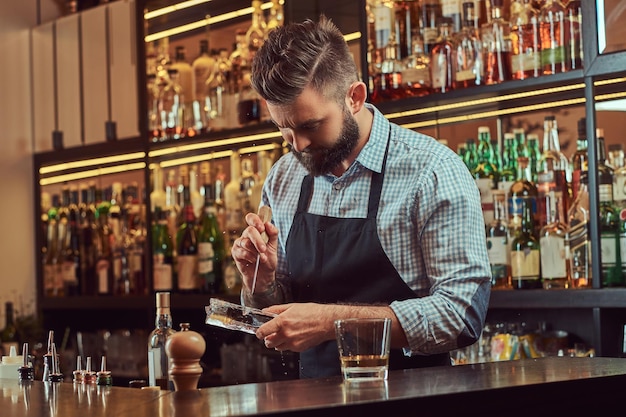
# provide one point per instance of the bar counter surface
(547, 386)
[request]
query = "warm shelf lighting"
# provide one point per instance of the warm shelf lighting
(173, 8)
(91, 162)
(210, 20)
(214, 155)
(213, 144)
(92, 173)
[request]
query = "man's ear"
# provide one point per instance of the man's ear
(357, 94)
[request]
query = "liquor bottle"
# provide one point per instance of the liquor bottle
(485, 172)
(187, 246)
(467, 51)
(170, 106)
(63, 241)
(431, 13)
(89, 233)
(525, 41)
(498, 248)
(232, 202)
(526, 254)
(157, 196)
(441, 65)
(185, 77)
(619, 198)
(520, 139)
(534, 155)
(579, 159)
(197, 201)
(391, 83)
(615, 157)
(50, 265)
(119, 260)
(162, 253)
(609, 221)
(416, 69)
(157, 358)
(508, 173)
(573, 35)
(552, 174)
(104, 256)
(578, 218)
(172, 206)
(496, 37)
(72, 263)
(277, 15)
(552, 32)
(210, 240)
(216, 91)
(203, 67)
(523, 189)
(554, 245)
(470, 157)
(255, 35)
(8, 335)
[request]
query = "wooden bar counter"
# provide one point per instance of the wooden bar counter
(548, 386)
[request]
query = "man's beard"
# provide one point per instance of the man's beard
(320, 161)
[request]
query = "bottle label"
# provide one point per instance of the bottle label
(187, 272)
(162, 279)
(205, 257)
(102, 269)
(608, 249)
(622, 245)
(497, 250)
(525, 264)
(619, 187)
(465, 75)
(553, 257)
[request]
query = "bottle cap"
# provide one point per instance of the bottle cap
(163, 300)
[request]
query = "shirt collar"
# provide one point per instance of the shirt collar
(373, 153)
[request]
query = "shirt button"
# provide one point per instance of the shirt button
(337, 187)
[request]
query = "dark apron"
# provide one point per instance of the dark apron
(341, 260)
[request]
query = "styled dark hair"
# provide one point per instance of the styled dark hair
(304, 54)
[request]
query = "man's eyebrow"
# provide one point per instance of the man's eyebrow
(300, 125)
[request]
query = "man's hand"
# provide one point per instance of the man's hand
(251, 244)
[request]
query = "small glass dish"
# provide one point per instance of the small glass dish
(231, 316)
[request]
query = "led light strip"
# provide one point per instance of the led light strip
(213, 144)
(173, 8)
(91, 162)
(92, 173)
(210, 20)
(214, 155)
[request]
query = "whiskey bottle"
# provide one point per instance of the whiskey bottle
(578, 218)
(468, 54)
(203, 67)
(573, 36)
(525, 254)
(185, 77)
(525, 41)
(580, 159)
(441, 66)
(554, 245)
(498, 249)
(157, 358)
(416, 69)
(496, 37)
(551, 18)
(431, 14)
(552, 174)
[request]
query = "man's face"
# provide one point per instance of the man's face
(320, 132)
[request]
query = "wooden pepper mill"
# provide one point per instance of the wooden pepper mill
(184, 350)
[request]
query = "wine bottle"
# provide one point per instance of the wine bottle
(157, 358)
(525, 254)
(187, 245)
(498, 248)
(554, 245)
(104, 264)
(210, 240)
(162, 253)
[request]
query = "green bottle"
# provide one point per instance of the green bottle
(525, 254)
(534, 155)
(210, 240)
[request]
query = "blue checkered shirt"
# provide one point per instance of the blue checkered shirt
(430, 225)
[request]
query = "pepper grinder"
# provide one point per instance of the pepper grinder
(184, 350)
